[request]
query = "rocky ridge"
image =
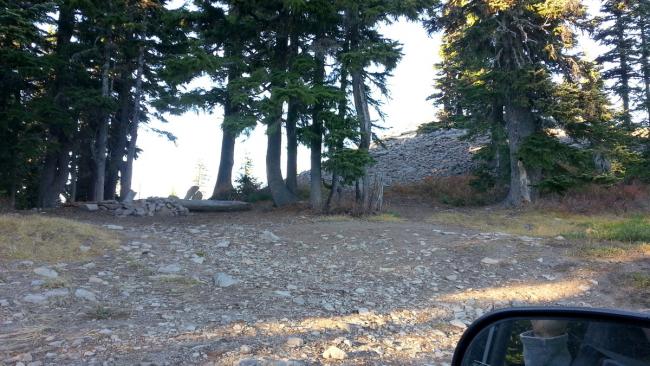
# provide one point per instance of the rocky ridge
(411, 157)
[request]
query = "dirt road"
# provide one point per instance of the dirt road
(270, 288)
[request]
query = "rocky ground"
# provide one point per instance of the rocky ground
(270, 288)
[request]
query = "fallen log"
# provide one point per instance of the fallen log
(214, 206)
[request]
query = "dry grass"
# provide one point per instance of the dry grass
(334, 218)
(522, 222)
(597, 198)
(51, 239)
(549, 224)
(612, 251)
(453, 191)
(385, 217)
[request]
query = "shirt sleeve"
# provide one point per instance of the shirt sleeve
(540, 351)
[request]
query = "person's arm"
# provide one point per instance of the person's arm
(546, 344)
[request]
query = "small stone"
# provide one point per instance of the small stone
(560, 238)
(458, 324)
(170, 268)
(245, 349)
(282, 293)
(90, 207)
(363, 311)
(114, 227)
(35, 298)
(84, 248)
(334, 353)
(223, 244)
(46, 272)
(4, 303)
(85, 295)
(452, 277)
(198, 260)
(269, 237)
(222, 279)
(487, 260)
(298, 300)
(294, 342)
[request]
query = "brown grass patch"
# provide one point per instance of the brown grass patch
(598, 198)
(51, 239)
(453, 191)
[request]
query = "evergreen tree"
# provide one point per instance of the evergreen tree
(502, 59)
(616, 31)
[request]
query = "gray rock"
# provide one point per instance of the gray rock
(222, 279)
(452, 277)
(269, 237)
(170, 268)
(46, 272)
(90, 207)
(458, 324)
(191, 192)
(85, 295)
(334, 353)
(4, 303)
(223, 244)
(57, 292)
(114, 227)
(294, 342)
(35, 298)
(487, 260)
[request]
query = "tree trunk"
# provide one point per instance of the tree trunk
(99, 152)
(56, 159)
(363, 113)
(316, 143)
(118, 138)
(292, 146)
(224, 188)
(126, 175)
(520, 124)
(281, 195)
(279, 191)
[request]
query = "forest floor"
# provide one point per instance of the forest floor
(272, 287)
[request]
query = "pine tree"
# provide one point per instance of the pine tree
(504, 57)
(616, 31)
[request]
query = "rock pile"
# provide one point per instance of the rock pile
(411, 157)
(153, 206)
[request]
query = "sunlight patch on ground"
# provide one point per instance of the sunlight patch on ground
(529, 292)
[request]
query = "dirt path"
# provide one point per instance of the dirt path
(269, 288)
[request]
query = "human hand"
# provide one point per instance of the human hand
(549, 328)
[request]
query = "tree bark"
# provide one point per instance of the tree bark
(279, 191)
(99, 151)
(54, 172)
(126, 176)
(520, 124)
(118, 138)
(223, 188)
(292, 146)
(316, 143)
(363, 113)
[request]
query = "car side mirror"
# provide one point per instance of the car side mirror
(554, 336)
